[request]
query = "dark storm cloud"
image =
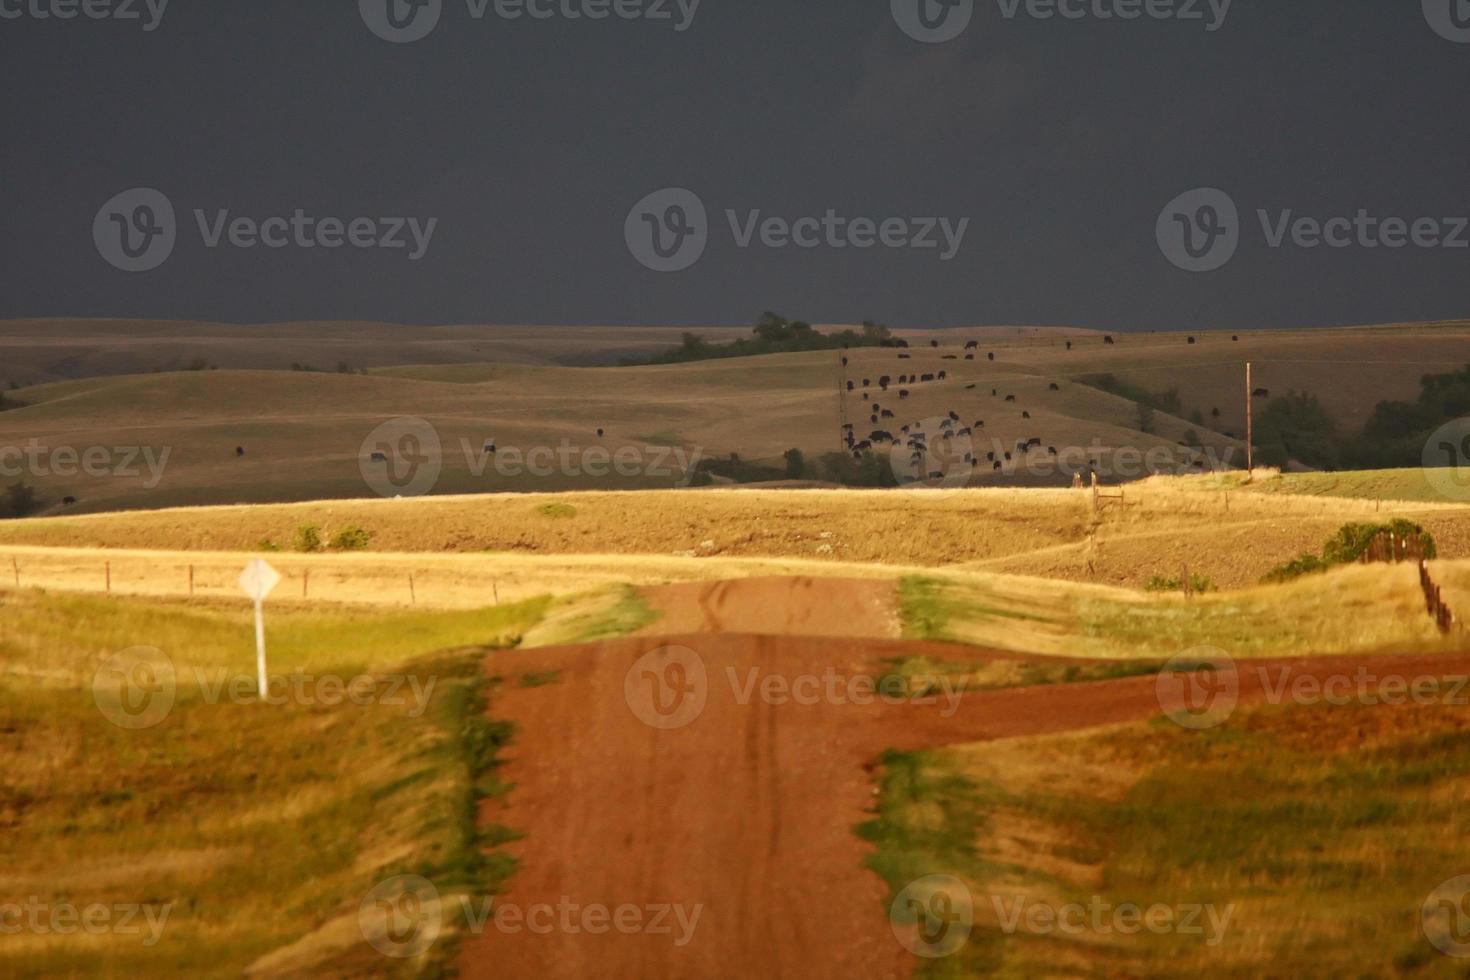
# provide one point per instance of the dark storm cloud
(528, 139)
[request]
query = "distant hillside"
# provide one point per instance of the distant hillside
(303, 435)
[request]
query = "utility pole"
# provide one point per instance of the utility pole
(1250, 447)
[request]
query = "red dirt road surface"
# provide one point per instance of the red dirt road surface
(653, 776)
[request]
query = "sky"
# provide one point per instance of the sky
(1116, 164)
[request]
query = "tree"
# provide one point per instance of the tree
(1297, 427)
(19, 501)
(795, 464)
(1145, 418)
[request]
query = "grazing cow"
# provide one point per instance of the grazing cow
(887, 414)
(239, 451)
(489, 445)
(380, 457)
(68, 501)
(865, 396)
(880, 436)
(905, 430)
(884, 382)
(851, 386)
(1108, 340)
(867, 383)
(903, 392)
(973, 345)
(1069, 345)
(969, 457)
(874, 418)
(991, 355)
(979, 423)
(1022, 445)
(857, 455)
(1034, 443)
(1051, 450)
(927, 377)
(943, 375)
(600, 433)
(1010, 398)
(990, 457)
(969, 357)
(1261, 393)
(905, 357)
(847, 425)
(1235, 338)
(974, 464)
(862, 446)
(933, 343)
(971, 387)
(1008, 457)
(1025, 415)
(1191, 340)
(844, 362)
(946, 426)
(936, 474)
(1055, 386)
(1214, 413)
(997, 467)
(903, 379)
(963, 432)
(955, 416)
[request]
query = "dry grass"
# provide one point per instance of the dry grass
(1305, 824)
(1230, 536)
(261, 827)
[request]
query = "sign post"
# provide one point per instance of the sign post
(258, 580)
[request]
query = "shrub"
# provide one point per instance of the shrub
(557, 512)
(266, 544)
(309, 538)
(1163, 583)
(1347, 546)
(351, 538)
(19, 501)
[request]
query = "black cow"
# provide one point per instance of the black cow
(943, 375)
(1108, 339)
(905, 357)
(1025, 415)
(600, 433)
(1261, 393)
(973, 345)
(1056, 387)
(1010, 398)
(380, 457)
(991, 356)
(903, 393)
(971, 387)
(1069, 345)
(884, 382)
(874, 418)
(1192, 340)
(867, 383)
(850, 387)
(927, 377)
(969, 357)
(239, 451)
(933, 343)
(1235, 338)
(68, 501)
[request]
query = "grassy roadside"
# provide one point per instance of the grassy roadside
(251, 831)
(1315, 834)
(1356, 609)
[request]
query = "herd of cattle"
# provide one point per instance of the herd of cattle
(914, 438)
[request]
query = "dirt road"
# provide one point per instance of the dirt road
(653, 774)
